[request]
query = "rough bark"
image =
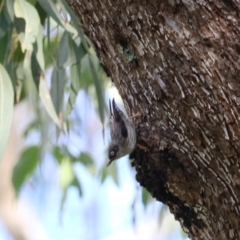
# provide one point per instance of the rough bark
(178, 64)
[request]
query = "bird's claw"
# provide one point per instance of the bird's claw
(136, 115)
(144, 148)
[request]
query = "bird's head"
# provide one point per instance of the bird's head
(113, 153)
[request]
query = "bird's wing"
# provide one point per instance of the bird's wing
(118, 124)
(110, 108)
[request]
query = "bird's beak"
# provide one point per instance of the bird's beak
(109, 162)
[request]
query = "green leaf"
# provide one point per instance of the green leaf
(18, 91)
(162, 214)
(16, 50)
(110, 171)
(75, 53)
(31, 88)
(52, 11)
(10, 10)
(99, 90)
(33, 2)
(11, 69)
(146, 197)
(32, 127)
(76, 23)
(57, 153)
(36, 70)
(50, 51)
(104, 174)
(68, 52)
(66, 173)
(25, 10)
(86, 75)
(25, 166)
(114, 173)
(4, 41)
(19, 25)
(63, 200)
(38, 49)
(75, 72)
(63, 50)
(4, 26)
(57, 89)
(86, 159)
(47, 102)
(42, 14)
(6, 108)
(76, 183)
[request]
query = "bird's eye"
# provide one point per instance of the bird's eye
(112, 153)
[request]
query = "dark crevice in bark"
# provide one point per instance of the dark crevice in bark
(154, 180)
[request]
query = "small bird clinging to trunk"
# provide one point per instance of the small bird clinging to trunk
(123, 134)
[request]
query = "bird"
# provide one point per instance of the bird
(122, 132)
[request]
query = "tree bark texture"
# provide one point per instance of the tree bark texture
(177, 62)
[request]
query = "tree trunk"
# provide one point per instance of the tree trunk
(178, 64)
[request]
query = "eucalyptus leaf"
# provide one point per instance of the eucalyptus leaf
(47, 102)
(75, 53)
(6, 108)
(50, 51)
(146, 197)
(75, 86)
(25, 166)
(28, 78)
(77, 25)
(57, 89)
(4, 26)
(162, 214)
(114, 173)
(42, 14)
(75, 73)
(63, 199)
(104, 175)
(69, 53)
(76, 183)
(99, 90)
(10, 10)
(25, 10)
(110, 171)
(38, 49)
(53, 12)
(63, 50)
(35, 69)
(19, 25)
(57, 153)
(66, 173)
(86, 159)
(11, 70)
(4, 41)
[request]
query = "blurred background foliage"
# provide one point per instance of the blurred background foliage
(46, 61)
